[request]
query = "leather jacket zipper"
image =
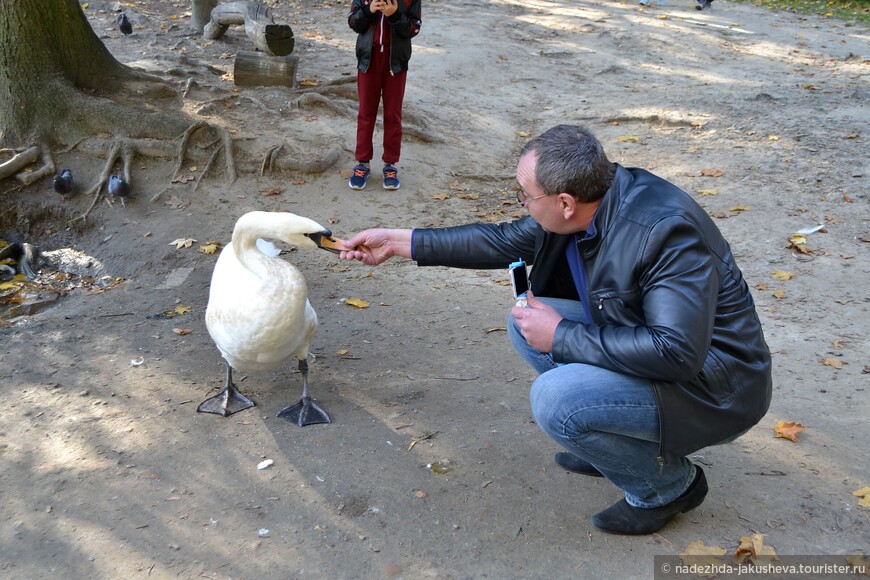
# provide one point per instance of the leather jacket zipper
(661, 457)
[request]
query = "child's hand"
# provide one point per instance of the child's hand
(388, 7)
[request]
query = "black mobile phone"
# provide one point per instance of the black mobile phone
(519, 278)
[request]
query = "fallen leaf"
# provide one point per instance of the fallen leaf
(272, 191)
(181, 309)
(739, 208)
(773, 137)
(864, 494)
(342, 352)
(712, 173)
(358, 302)
(699, 554)
(182, 331)
(798, 239)
(421, 494)
(779, 294)
(859, 560)
(182, 243)
(627, 138)
(707, 192)
(788, 430)
(752, 548)
(308, 83)
(833, 362)
(761, 286)
(298, 181)
(209, 248)
(782, 275)
(440, 196)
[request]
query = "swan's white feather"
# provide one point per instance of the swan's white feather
(258, 312)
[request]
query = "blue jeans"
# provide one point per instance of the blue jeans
(609, 419)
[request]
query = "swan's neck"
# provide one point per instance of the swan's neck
(246, 251)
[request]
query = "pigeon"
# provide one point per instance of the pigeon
(27, 255)
(63, 183)
(124, 24)
(118, 188)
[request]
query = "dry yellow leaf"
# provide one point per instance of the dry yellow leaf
(712, 173)
(832, 361)
(182, 331)
(440, 196)
(782, 275)
(182, 243)
(752, 548)
(421, 494)
(739, 208)
(707, 192)
(858, 560)
(626, 138)
(209, 248)
(358, 302)
(864, 494)
(788, 430)
(779, 294)
(10, 285)
(798, 239)
(308, 83)
(699, 554)
(773, 137)
(342, 352)
(181, 309)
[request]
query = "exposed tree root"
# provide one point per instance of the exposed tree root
(125, 150)
(296, 161)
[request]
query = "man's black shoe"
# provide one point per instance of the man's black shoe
(574, 464)
(622, 518)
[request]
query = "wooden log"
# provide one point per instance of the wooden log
(273, 39)
(255, 69)
(19, 161)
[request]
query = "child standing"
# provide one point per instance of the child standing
(383, 49)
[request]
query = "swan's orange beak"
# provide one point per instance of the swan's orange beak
(331, 244)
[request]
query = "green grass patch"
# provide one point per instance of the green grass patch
(849, 10)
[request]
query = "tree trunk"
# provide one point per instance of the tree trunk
(200, 13)
(47, 49)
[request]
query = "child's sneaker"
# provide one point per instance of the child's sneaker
(359, 177)
(391, 177)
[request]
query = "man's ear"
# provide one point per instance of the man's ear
(567, 205)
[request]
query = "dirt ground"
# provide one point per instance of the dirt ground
(433, 466)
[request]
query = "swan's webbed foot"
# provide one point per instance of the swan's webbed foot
(225, 403)
(305, 412)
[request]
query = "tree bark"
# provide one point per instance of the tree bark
(200, 13)
(44, 46)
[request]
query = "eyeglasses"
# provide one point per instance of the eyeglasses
(525, 201)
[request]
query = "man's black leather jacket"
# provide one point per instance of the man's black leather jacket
(403, 25)
(668, 303)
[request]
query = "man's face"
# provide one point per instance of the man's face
(541, 207)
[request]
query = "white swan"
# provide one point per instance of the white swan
(258, 312)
